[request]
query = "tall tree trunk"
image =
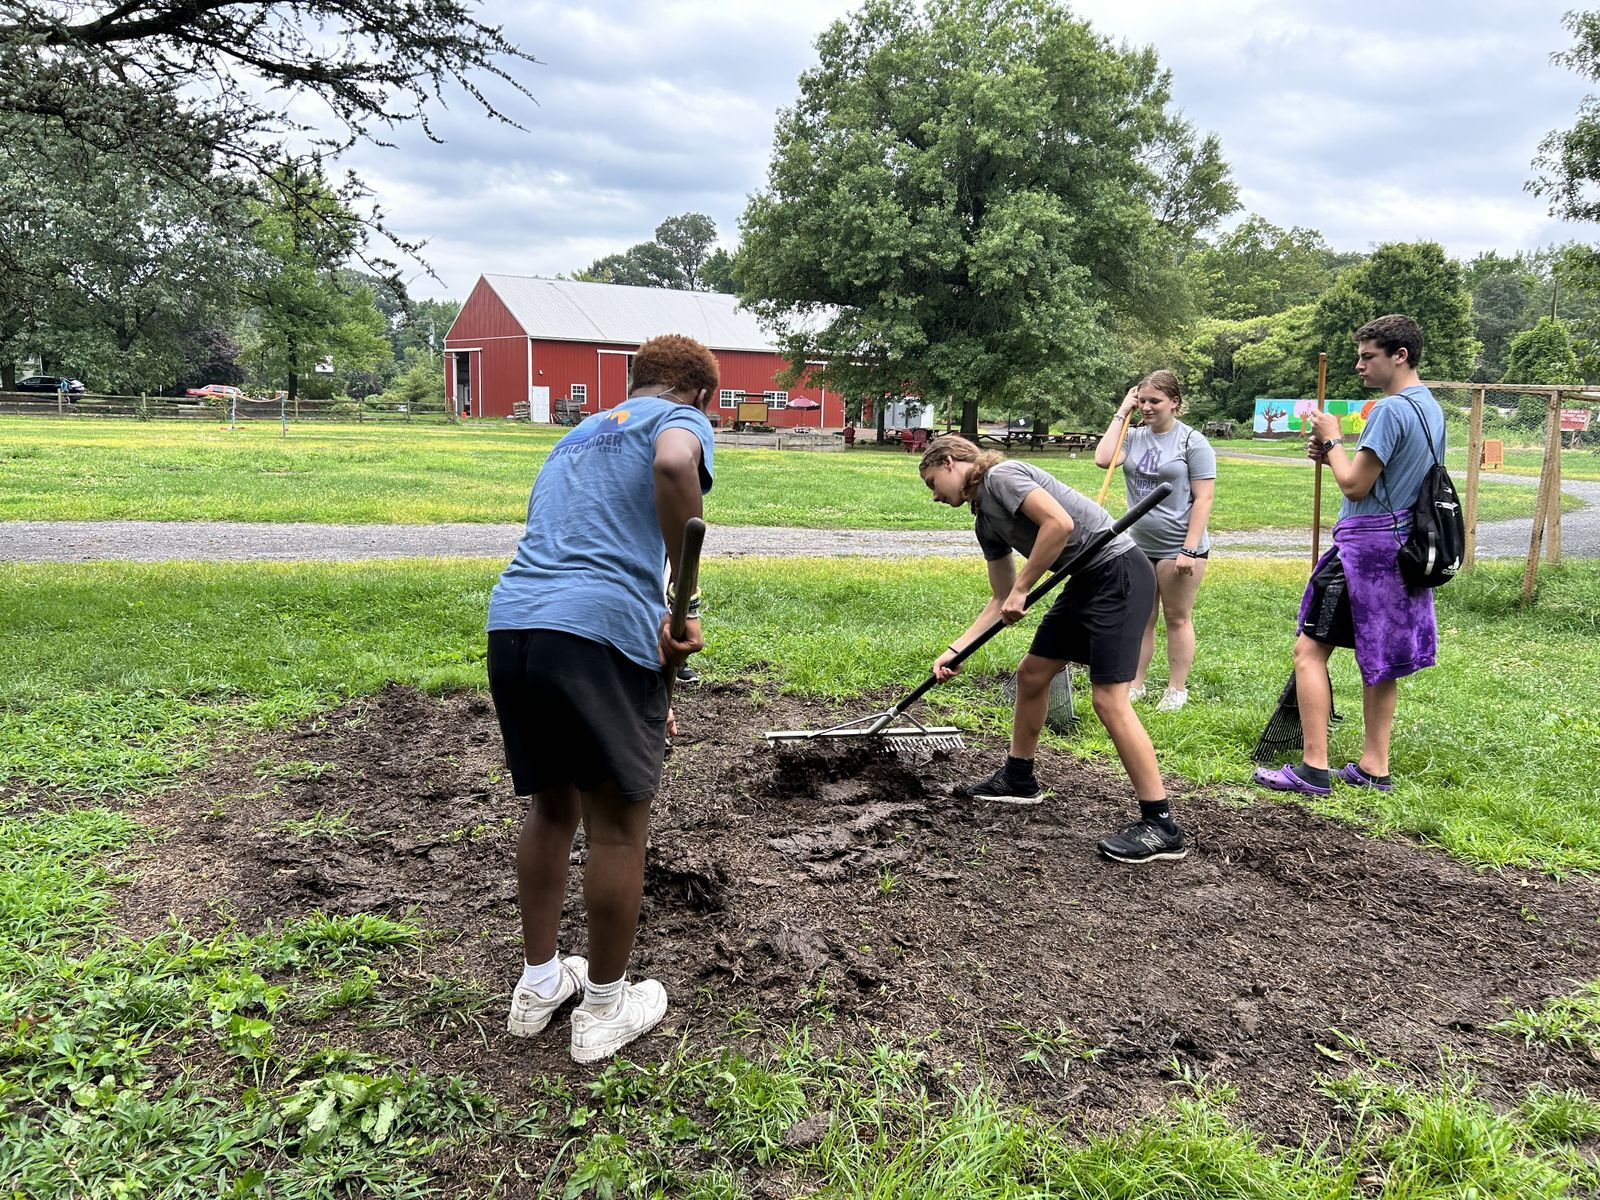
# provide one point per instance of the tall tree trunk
(969, 420)
(8, 377)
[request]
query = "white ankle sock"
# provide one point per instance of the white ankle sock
(603, 998)
(544, 979)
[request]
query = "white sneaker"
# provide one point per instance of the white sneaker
(640, 1010)
(1135, 692)
(531, 1012)
(1173, 699)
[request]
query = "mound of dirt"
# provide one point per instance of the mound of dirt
(850, 891)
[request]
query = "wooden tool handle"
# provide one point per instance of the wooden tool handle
(1316, 492)
(1105, 485)
(687, 577)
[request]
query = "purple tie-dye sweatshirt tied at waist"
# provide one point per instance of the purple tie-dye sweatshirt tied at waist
(1396, 633)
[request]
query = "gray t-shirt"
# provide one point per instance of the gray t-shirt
(1179, 456)
(1001, 527)
(1394, 435)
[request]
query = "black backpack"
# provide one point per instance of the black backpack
(1431, 554)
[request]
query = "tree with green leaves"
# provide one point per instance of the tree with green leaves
(1227, 365)
(1541, 355)
(113, 274)
(305, 309)
(197, 93)
(1503, 290)
(1568, 161)
(969, 200)
(1257, 269)
(681, 256)
(1415, 278)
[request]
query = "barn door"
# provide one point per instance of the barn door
(539, 405)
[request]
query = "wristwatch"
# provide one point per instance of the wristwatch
(1331, 443)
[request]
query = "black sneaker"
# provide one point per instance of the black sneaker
(1143, 841)
(1001, 788)
(687, 674)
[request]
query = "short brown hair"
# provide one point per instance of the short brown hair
(952, 447)
(1393, 332)
(1166, 383)
(679, 362)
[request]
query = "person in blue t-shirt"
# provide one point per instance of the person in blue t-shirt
(579, 658)
(1356, 597)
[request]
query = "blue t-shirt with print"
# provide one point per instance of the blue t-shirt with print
(590, 559)
(1396, 437)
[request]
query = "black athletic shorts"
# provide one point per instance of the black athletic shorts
(573, 711)
(1328, 615)
(1099, 618)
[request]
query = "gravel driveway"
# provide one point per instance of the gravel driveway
(159, 541)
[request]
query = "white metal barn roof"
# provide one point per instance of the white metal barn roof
(563, 310)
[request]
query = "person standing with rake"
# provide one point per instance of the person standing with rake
(1356, 597)
(1097, 619)
(580, 650)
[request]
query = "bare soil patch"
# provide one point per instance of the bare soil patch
(851, 892)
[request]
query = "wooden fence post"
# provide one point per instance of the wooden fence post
(1552, 519)
(1541, 506)
(1474, 461)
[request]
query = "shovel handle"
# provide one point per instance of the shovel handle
(687, 576)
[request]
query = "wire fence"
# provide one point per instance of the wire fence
(1522, 433)
(227, 410)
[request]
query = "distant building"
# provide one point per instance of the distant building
(567, 348)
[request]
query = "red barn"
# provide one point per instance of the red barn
(565, 346)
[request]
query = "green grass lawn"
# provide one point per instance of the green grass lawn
(481, 472)
(121, 676)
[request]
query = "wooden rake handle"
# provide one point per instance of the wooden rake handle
(1105, 484)
(1316, 492)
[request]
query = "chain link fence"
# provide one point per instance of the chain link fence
(1545, 438)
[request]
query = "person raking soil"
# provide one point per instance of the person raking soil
(1098, 619)
(579, 655)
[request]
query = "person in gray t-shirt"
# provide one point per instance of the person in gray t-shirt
(1164, 450)
(1098, 618)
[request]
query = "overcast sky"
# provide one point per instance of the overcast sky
(1424, 128)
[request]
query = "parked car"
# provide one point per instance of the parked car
(49, 383)
(217, 391)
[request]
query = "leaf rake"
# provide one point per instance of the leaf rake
(921, 740)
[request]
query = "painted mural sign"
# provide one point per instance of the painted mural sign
(1291, 418)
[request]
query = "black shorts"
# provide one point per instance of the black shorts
(1328, 617)
(578, 712)
(1099, 618)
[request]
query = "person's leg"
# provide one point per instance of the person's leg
(1134, 748)
(615, 1010)
(1314, 698)
(1377, 714)
(1147, 648)
(1034, 674)
(613, 880)
(543, 853)
(1177, 606)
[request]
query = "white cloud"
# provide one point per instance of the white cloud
(1418, 120)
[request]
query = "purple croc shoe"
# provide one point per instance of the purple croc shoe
(1356, 777)
(1283, 779)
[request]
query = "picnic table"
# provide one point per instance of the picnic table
(1073, 440)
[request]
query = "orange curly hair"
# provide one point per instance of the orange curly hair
(680, 363)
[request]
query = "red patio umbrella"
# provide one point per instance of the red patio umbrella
(805, 402)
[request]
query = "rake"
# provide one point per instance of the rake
(915, 737)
